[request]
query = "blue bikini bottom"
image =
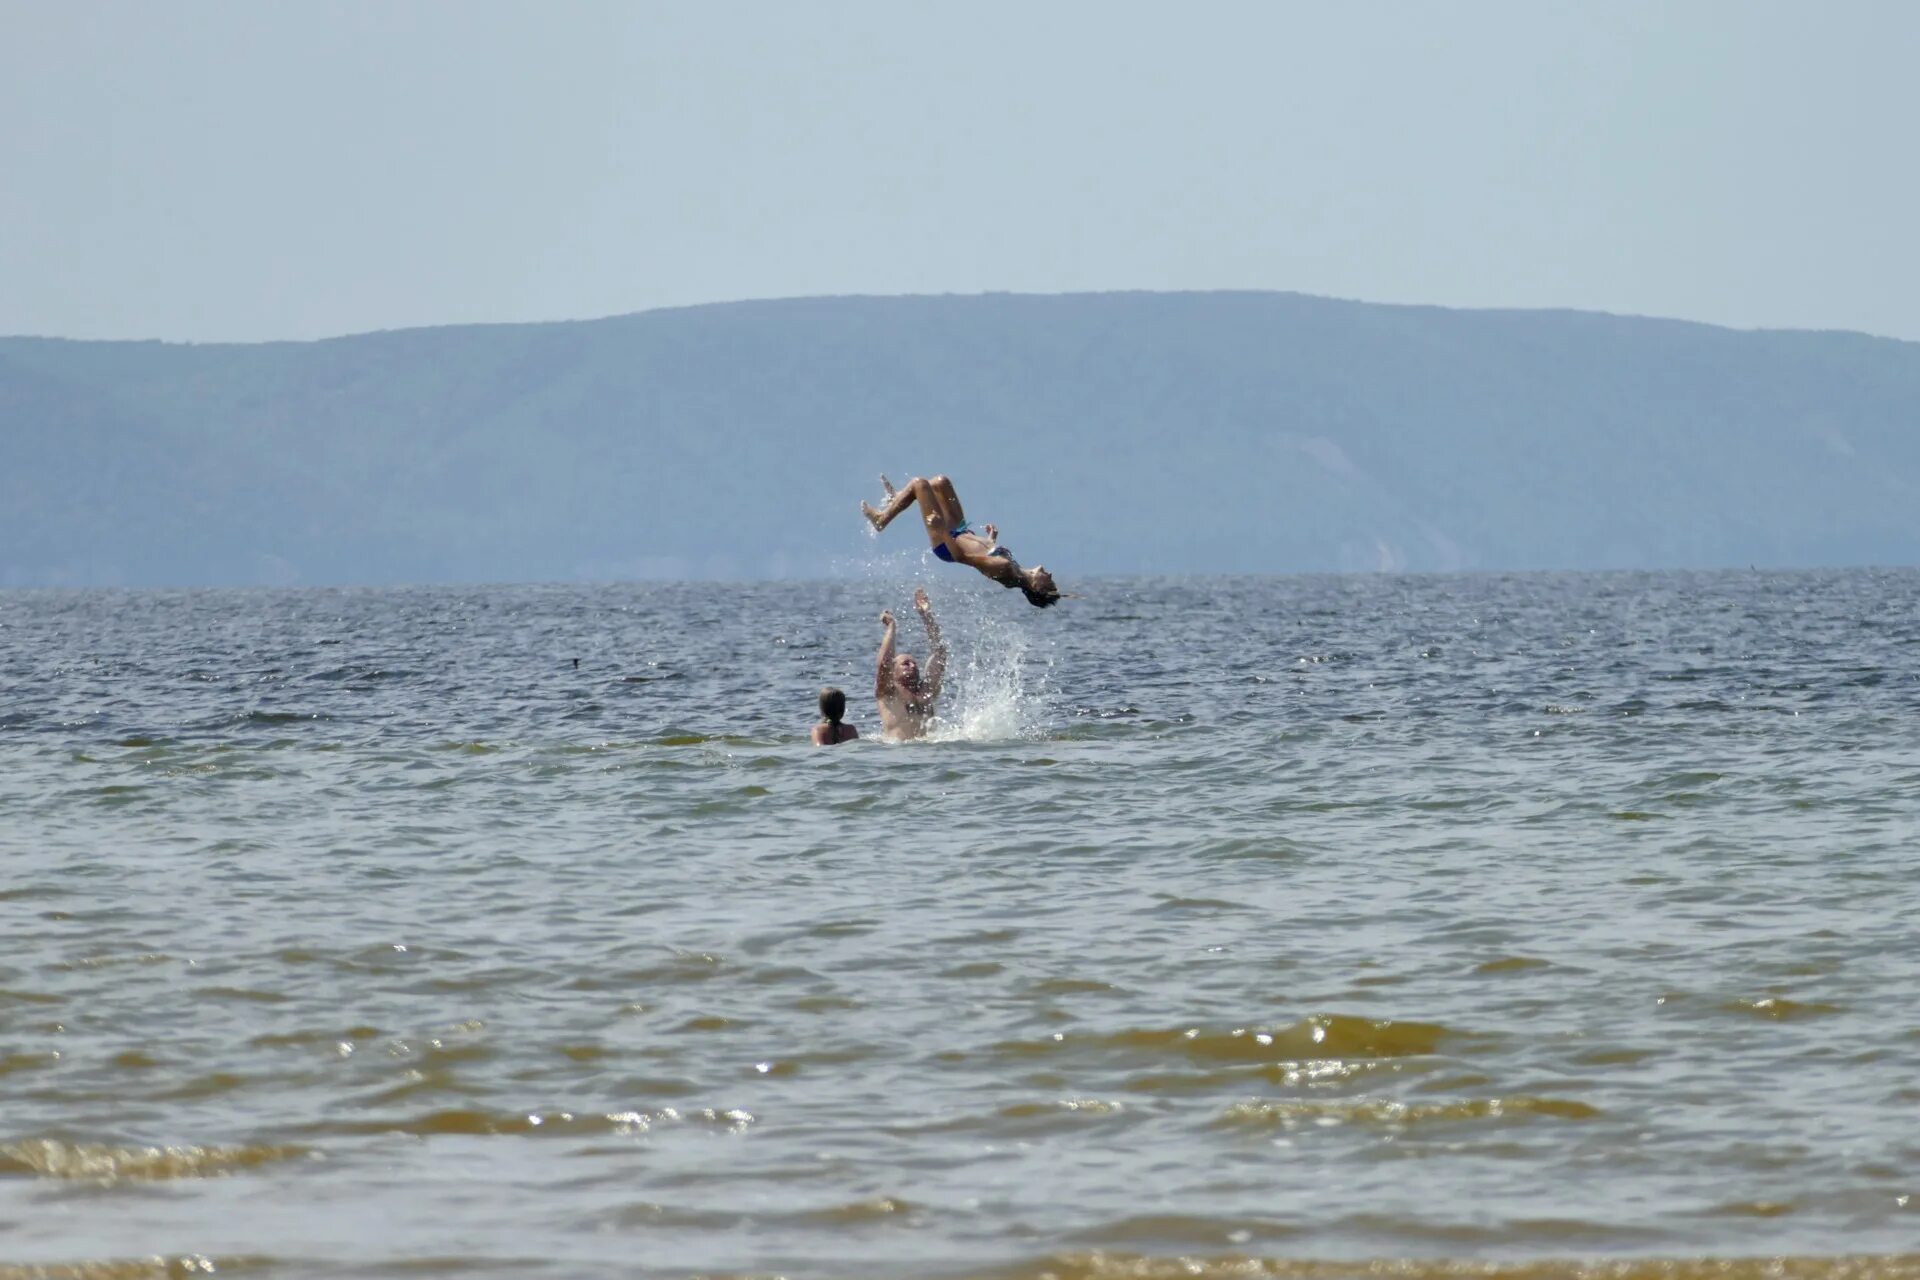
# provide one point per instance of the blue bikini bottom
(940, 548)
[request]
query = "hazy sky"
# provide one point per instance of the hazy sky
(252, 169)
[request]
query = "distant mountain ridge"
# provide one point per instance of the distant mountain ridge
(1104, 433)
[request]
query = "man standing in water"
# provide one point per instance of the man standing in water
(907, 696)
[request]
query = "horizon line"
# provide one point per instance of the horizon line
(981, 295)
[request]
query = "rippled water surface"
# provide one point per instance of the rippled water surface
(1236, 927)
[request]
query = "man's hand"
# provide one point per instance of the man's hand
(936, 660)
(886, 617)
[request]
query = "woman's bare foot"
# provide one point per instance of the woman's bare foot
(875, 518)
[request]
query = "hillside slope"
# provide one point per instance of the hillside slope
(1175, 433)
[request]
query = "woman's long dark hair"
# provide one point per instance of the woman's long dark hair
(1012, 575)
(1040, 599)
(833, 705)
(1018, 577)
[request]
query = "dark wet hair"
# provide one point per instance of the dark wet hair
(1023, 579)
(833, 705)
(1011, 575)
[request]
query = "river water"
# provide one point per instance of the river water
(1531, 925)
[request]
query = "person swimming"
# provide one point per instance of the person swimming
(957, 542)
(830, 732)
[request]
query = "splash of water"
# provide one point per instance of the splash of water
(996, 685)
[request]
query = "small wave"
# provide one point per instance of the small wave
(860, 1212)
(1320, 1036)
(471, 1122)
(27, 997)
(1199, 906)
(277, 717)
(182, 1267)
(358, 672)
(90, 1162)
(1073, 987)
(1102, 1265)
(975, 969)
(1687, 779)
(710, 1022)
(1512, 964)
(1287, 1073)
(292, 1039)
(1779, 1008)
(418, 1083)
(1182, 1228)
(1613, 1056)
(247, 994)
(1061, 1107)
(209, 1085)
(1294, 1115)
(649, 1214)
(1750, 1209)
(701, 739)
(112, 962)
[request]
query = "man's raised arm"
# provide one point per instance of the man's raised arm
(937, 660)
(883, 670)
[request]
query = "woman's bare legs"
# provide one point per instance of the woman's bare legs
(939, 505)
(898, 500)
(949, 501)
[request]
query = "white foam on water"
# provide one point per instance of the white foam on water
(987, 697)
(996, 686)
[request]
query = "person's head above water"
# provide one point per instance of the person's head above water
(833, 706)
(906, 670)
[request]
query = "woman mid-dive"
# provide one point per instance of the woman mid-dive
(957, 542)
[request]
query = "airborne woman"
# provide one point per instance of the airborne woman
(957, 542)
